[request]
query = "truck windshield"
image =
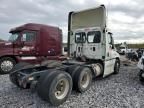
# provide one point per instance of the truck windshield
(13, 37)
(94, 36)
(80, 37)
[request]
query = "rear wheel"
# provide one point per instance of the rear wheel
(6, 65)
(13, 76)
(73, 69)
(82, 78)
(54, 86)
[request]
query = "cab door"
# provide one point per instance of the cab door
(109, 58)
(28, 39)
(94, 45)
(80, 45)
(17, 44)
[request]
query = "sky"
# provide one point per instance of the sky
(125, 17)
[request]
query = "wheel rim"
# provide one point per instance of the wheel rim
(6, 65)
(62, 88)
(85, 80)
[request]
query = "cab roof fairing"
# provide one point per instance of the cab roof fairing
(81, 19)
(32, 26)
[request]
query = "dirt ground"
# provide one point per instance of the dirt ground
(116, 91)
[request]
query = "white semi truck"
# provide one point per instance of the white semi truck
(91, 54)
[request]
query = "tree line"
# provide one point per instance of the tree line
(137, 45)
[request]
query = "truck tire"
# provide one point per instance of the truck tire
(116, 66)
(98, 69)
(72, 69)
(6, 65)
(82, 78)
(13, 76)
(141, 76)
(54, 86)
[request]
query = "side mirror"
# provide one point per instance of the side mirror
(111, 46)
(104, 30)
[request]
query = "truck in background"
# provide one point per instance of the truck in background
(123, 49)
(31, 43)
(91, 54)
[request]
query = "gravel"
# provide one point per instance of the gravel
(116, 91)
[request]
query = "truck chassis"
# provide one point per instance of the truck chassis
(55, 80)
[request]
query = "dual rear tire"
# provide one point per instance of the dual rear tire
(82, 77)
(54, 86)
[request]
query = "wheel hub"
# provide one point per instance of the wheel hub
(62, 88)
(85, 80)
(6, 65)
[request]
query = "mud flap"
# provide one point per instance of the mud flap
(109, 67)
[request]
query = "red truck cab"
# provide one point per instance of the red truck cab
(31, 43)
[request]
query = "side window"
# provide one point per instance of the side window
(94, 37)
(29, 36)
(80, 37)
(14, 37)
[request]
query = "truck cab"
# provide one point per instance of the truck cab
(30, 43)
(90, 40)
